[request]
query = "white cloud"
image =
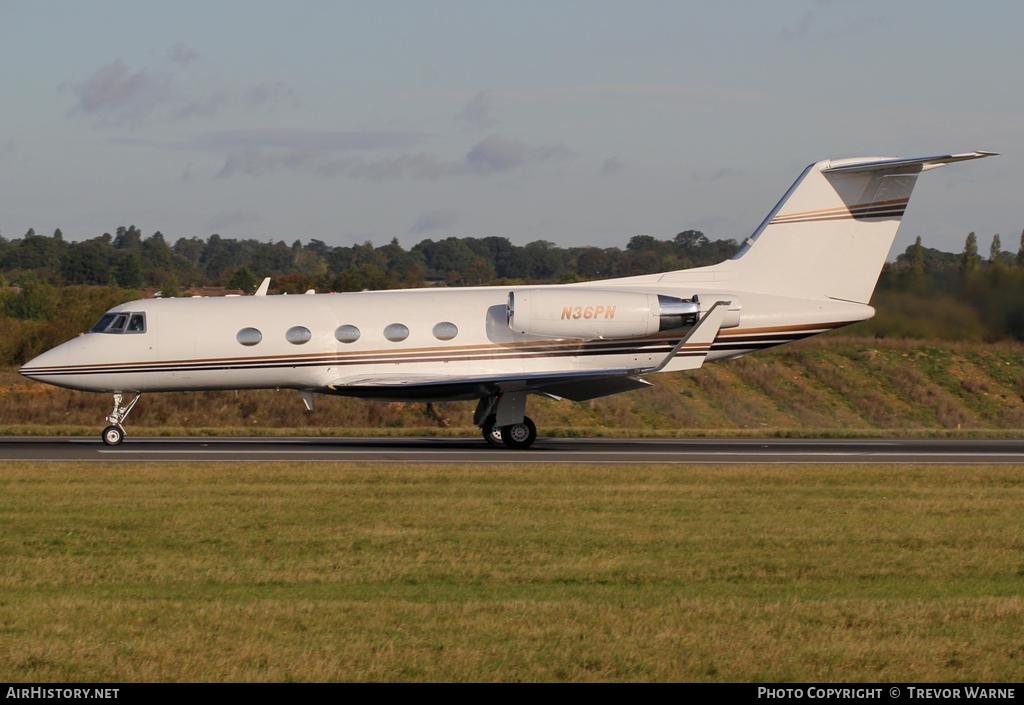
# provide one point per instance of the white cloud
(269, 95)
(478, 113)
(434, 221)
(233, 219)
(301, 139)
(119, 93)
(182, 54)
(497, 154)
(611, 166)
(329, 154)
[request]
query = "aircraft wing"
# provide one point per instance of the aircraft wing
(578, 386)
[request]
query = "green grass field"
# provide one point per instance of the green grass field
(430, 572)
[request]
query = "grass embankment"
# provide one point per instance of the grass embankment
(827, 386)
(323, 572)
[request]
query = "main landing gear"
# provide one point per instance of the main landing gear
(503, 422)
(114, 433)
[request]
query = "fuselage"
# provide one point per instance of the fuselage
(331, 342)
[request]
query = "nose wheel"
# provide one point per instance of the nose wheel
(114, 433)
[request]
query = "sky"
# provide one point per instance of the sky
(581, 123)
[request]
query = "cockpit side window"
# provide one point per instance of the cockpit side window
(137, 323)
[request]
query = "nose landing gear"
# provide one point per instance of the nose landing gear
(114, 433)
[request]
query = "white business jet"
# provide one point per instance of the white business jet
(810, 267)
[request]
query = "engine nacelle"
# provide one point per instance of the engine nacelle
(568, 312)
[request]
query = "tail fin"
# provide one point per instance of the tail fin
(829, 235)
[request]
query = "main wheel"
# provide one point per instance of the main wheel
(519, 435)
(113, 435)
(491, 433)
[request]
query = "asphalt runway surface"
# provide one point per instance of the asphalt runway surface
(546, 450)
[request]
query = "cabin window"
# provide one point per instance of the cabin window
(445, 330)
(396, 332)
(249, 336)
(297, 335)
(346, 334)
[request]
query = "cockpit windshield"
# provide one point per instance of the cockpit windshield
(120, 321)
(101, 325)
(126, 322)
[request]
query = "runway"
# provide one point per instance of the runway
(546, 450)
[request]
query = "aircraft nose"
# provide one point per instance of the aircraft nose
(41, 365)
(55, 366)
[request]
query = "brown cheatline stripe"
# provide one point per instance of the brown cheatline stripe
(337, 354)
(401, 354)
(842, 214)
(695, 350)
(782, 329)
(843, 209)
(885, 211)
(852, 216)
(327, 360)
(408, 355)
(386, 356)
(873, 213)
(319, 363)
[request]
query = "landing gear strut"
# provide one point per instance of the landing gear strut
(503, 422)
(114, 433)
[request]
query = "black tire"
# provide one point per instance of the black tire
(491, 433)
(519, 436)
(112, 435)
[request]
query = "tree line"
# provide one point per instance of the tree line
(928, 293)
(52, 289)
(129, 260)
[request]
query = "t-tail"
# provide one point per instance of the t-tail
(830, 234)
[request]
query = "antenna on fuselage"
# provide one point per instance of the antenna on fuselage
(262, 290)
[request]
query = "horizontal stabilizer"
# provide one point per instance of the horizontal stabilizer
(911, 165)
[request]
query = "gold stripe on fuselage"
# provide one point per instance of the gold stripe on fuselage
(428, 354)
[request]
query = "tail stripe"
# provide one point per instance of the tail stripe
(879, 209)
